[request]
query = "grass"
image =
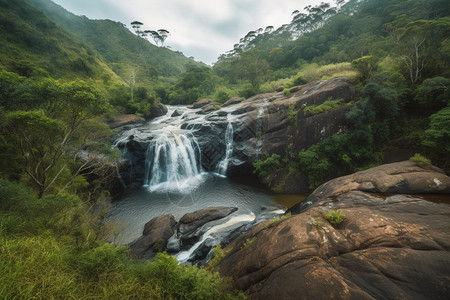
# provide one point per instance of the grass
(274, 221)
(335, 217)
(248, 242)
(218, 255)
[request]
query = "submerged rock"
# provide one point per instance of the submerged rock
(396, 247)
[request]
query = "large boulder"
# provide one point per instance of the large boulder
(404, 177)
(391, 247)
(191, 222)
(154, 237)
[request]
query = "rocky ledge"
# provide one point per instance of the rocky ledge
(388, 247)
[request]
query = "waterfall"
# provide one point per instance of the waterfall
(258, 126)
(222, 166)
(172, 162)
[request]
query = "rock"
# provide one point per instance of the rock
(192, 221)
(392, 248)
(154, 237)
(201, 103)
(404, 177)
(176, 113)
(285, 182)
(121, 120)
(279, 89)
(232, 101)
(157, 110)
(208, 108)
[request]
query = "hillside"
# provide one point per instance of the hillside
(33, 45)
(116, 43)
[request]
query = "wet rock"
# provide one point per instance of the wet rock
(157, 110)
(192, 221)
(176, 113)
(154, 237)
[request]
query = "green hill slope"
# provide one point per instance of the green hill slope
(33, 45)
(116, 43)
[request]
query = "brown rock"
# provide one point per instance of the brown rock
(396, 247)
(201, 103)
(154, 237)
(404, 177)
(390, 249)
(191, 221)
(232, 101)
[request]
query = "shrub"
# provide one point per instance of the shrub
(324, 107)
(419, 159)
(248, 242)
(218, 255)
(317, 224)
(286, 93)
(267, 166)
(335, 217)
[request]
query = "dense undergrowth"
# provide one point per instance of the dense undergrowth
(54, 248)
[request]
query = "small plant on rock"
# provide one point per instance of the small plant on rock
(317, 224)
(335, 217)
(420, 159)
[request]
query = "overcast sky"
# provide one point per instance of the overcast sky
(203, 29)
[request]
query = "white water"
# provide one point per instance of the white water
(258, 127)
(222, 166)
(173, 163)
(185, 255)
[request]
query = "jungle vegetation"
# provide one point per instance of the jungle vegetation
(60, 74)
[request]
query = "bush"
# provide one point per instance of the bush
(419, 159)
(267, 166)
(335, 217)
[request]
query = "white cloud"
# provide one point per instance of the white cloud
(200, 28)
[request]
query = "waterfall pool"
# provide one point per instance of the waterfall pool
(137, 206)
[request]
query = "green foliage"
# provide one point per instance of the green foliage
(317, 223)
(248, 242)
(50, 248)
(276, 220)
(218, 255)
(299, 80)
(335, 217)
(325, 107)
(266, 166)
(286, 93)
(419, 159)
(365, 66)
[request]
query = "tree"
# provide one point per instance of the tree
(131, 80)
(163, 34)
(137, 27)
(48, 141)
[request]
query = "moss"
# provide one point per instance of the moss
(248, 242)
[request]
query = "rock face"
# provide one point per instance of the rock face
(403, 177)
(397, 247)
(265, 123)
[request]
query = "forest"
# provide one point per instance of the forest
(62, 76)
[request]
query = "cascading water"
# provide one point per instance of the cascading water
(222, 166)
(173, 162)
(258, 127)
